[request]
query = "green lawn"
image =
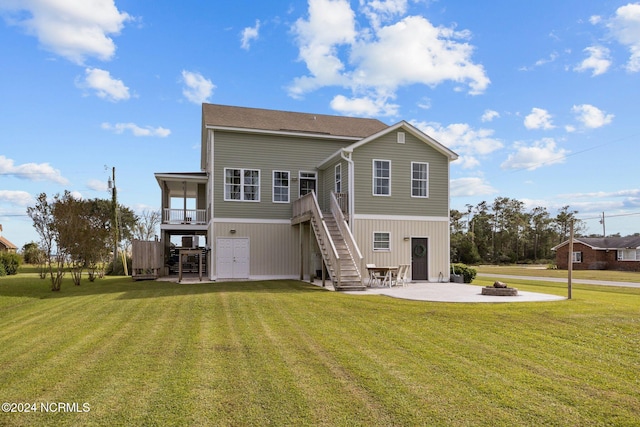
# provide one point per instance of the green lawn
(289, 353)
(537, 270)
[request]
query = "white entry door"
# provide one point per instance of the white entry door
(232, 258)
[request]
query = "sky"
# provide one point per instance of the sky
(539, 99)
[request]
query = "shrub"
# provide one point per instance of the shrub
(3, 272)
(468, 273)
(11, 262)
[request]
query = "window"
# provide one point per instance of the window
(338, 175)
(419, 179)
(242, 184)
(628, 254)
(382, 177)
(381, 241)
(280, 186)
(307, 182)
(576, 257)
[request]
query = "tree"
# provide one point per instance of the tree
(43, 222)
(146, 225)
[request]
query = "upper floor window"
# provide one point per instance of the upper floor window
(281, 186)
(338, 177)
(419, 179)
(382, 177)
(242, 184)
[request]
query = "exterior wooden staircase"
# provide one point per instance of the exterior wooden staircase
(339, 251)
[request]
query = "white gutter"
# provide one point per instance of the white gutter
(350, 184)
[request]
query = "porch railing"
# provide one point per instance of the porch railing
(336, 210)
(184, 216)
(343, 201)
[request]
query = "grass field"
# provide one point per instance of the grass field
(288, 353)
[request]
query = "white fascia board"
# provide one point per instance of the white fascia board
(415, 132)
(283, 132)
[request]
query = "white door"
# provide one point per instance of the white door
(232, 258)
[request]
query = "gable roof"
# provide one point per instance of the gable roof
(603, 243)
(243, 118)
(4, 243)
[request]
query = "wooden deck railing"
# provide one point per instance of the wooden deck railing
(184, 216)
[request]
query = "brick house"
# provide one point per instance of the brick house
(6, 245)
(601, 253)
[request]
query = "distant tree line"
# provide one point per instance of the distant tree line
(504, 232)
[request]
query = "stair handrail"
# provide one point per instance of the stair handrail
(314, 208)
(336, 210)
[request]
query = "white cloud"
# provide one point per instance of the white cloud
(98, 185)
(538, 119)
(20, 198)
(367, 60)
(249, 34)
(541, 153)
(625, 27)
(378, 11)
(471, 186)
(31, 171)
(463, 139)
(106, 87)
(364, 106)
(197, 88)
(72, 29)
(598, 60)
(137, 130)
(489, 115)
(590, 116)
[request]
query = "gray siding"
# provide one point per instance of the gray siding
(401, 155)
(266, 153)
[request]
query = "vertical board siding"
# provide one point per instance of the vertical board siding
(266, 153)
(401, 155)
(274, 248)
(400, 252)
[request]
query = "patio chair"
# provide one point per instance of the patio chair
(403, 275)
(375, 278)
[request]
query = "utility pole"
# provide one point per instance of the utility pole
(604, 233)
(114, 212)
(570, 265)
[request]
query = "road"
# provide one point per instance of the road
(563, 280)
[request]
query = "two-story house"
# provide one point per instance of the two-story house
(284, 194)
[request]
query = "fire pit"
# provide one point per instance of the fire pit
(500, 289)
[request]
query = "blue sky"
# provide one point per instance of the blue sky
(539, 99)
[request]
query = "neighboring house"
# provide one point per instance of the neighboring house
(6, 245)
(600, 253)
(280, 194)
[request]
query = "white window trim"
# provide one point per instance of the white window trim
(373, 174)
(288, 187)
(620, 256)
(427, 180)
(574, 257)
(374, 241)
(300, 178)
(242, 199)
(337, 176)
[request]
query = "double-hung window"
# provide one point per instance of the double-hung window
(576, 257)
(281, 186)
(381, 241)
(338, 177)
(242, 184)
(419, 179)
(382, 177)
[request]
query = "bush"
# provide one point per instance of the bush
(11, 262)
(3, 272)
(468, 273)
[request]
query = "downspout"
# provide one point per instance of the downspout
(346, 155)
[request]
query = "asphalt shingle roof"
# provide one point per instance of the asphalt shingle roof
(285, 121)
